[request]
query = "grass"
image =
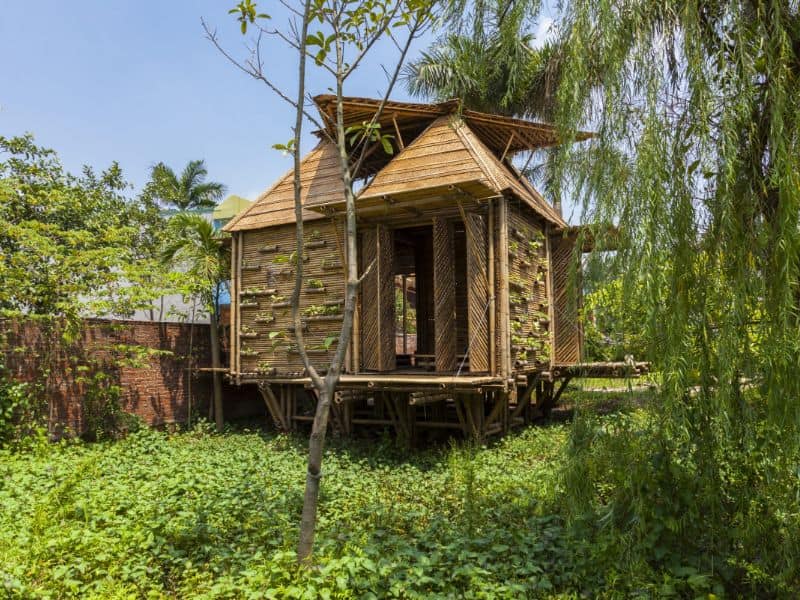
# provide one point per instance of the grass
(215, 516)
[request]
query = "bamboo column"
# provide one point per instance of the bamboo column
(492, 291)
(503, 301)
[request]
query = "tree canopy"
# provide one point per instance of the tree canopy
(187, 191)
(72, 245)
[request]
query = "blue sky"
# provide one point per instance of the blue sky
(137, 82)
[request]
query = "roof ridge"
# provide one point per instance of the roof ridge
(479, 150)
(460, 125)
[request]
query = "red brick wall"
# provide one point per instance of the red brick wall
(155, 388)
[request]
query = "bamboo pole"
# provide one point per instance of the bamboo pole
(234, 303)
(273, 406)
(355, 340)
(549, 291)
(405, 333)
(505, 349)
(236, 314)
(400, 143)
(492, 287)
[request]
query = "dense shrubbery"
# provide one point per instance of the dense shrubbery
(217, 516)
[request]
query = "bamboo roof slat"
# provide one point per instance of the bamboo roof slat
(494, 130)
(442, 149)
(320, 179)
(421, 166)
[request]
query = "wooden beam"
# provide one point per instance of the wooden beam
(400, 143)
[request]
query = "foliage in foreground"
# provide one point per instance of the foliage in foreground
(215, 516)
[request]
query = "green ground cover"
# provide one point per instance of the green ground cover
(216, 516)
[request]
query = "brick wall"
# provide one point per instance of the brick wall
(159, 388)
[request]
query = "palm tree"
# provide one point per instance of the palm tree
(198, 250)
(494, 69)
(187, 192)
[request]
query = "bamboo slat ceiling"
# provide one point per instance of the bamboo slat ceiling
(320, 180)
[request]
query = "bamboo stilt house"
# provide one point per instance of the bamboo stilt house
(465, 319)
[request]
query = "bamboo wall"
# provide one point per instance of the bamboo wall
(265, 339)
(528, 289)
(568, 335)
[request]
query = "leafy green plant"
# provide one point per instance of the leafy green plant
(315, 283)
(17, 418)
(322, 310)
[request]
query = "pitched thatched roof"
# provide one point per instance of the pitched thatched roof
(447, 154)
(320, 180)
(442, 146)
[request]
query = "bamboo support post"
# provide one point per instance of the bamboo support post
(273, 406)
(492, 290)
(505, 350)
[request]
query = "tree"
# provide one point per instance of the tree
(494, 68)
(200, 253)
(72, 246)
(696, 160)
(190, 191)
(344, 33)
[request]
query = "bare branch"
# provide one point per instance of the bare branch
(254, 70)
(398, 67)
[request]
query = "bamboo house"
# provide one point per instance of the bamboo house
(465, 320)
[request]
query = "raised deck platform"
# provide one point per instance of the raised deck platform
(411, 401)
(396, 381)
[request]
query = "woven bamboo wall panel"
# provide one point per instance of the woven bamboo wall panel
(528, 272)
(370, 322)
(444, 295)
(267, 277)
(477, 293)
(377, 299)
(567, 331)
(462, 304)
(386, 306)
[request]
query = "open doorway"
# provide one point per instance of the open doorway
(413, 288)
(415, 326)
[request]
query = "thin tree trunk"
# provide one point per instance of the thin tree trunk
(215, 375)
(316, 445)
(190, 371)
